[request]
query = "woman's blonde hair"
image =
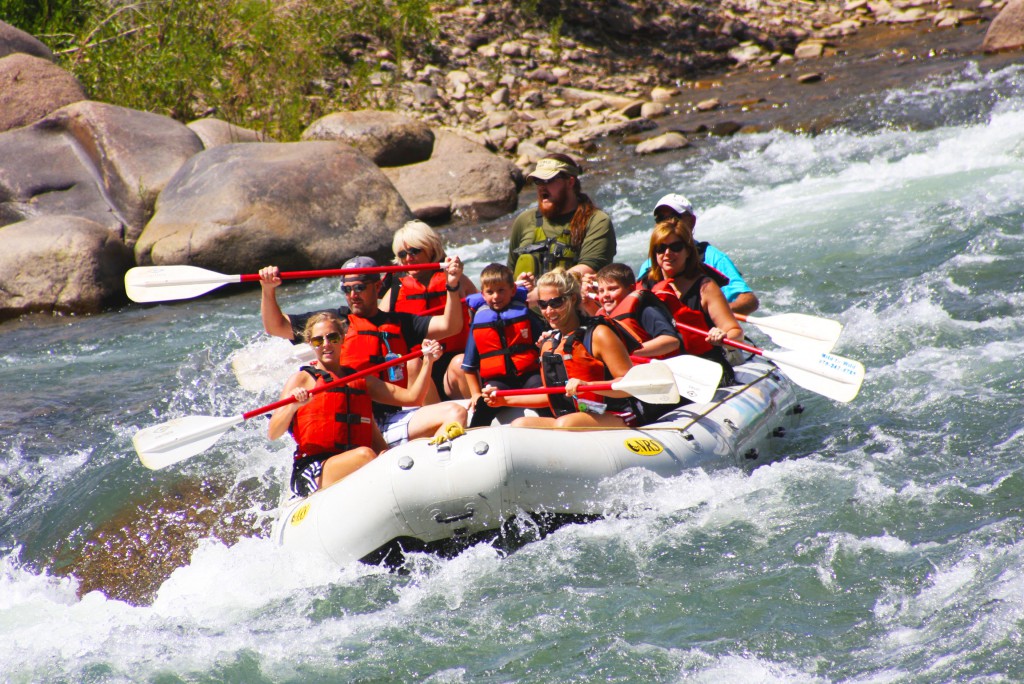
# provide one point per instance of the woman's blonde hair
(324, 317)
(673, 227)
(418, 234)
(567, 283)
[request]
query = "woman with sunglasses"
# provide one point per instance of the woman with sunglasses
(419, 292)
(334, 430)
(579, 349)
(688, 288)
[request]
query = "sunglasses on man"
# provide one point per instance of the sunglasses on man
(358, 288)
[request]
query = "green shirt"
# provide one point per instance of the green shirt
(597, 250)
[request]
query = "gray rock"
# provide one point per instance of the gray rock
(60, 264)
(591, 133)
(299, 205)
(461, 179)
(387, 138)
(133, 154)
(213, 132)
(652, 110)
(14, 40)
(1006, 32)
(31, 88)
(42, 173)
(663, 143)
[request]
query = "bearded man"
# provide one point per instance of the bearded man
(566, 230)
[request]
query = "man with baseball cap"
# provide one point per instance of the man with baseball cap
(374, 335)
(741, 298)
(566, 230)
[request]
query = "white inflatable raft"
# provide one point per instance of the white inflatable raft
(425, 496)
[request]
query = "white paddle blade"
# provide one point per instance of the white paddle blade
(653, 383)
(174, 441)
(164, 283)
(263, 366)
(835, 377)
(799, 331)
(696, 378)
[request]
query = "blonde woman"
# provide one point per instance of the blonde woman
(334, 430)
(579, 349)
(424, 291)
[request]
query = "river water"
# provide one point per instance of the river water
(888, 549)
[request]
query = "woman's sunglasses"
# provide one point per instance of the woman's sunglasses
(411, 252)
(676, 247)
(554, 303)
(358, 288)
(318, 340)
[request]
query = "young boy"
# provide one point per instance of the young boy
(502, 346)
(639, 312)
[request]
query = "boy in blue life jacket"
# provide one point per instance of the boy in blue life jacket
(502, 346)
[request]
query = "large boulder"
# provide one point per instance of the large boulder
(31, 88)
(387, 138)
(299, 205)
(462, 179)
(134, 154)
(1006, 32)
(60, 264)
(42, 174)
(213, 132)
(13, 40)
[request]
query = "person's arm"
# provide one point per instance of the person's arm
(275, 321)
(520, 401)
(413, 395)
(297, 386)
(473, 382)
(450, 322)
(664, 338)
(745, 303)
(609, 350)
(737, 292)
(714, 304)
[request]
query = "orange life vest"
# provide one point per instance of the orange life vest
(627, 315)
(335, 420)
(366, 345)
(687, 311)
(574, 352)
(416, 298)
(504, 340)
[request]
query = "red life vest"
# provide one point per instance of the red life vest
(687, 311)
(366, 344)
(627, 315)
(334, 421)
(416, 298)
(505, 341)
(574, 350)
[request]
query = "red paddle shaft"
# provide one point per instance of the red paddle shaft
(335, 383)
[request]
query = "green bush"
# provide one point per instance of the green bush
(261, 64)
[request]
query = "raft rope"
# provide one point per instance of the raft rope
(684, 428)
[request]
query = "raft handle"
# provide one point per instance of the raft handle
(438, 518)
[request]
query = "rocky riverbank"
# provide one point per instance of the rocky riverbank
(89, 189)
(571, 76)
